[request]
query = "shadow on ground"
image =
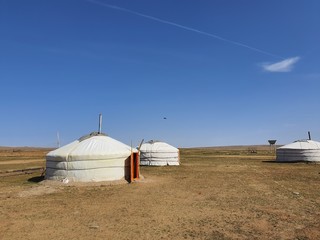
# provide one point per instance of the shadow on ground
(36, 179)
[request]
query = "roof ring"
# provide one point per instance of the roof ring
(302, 140)
(93, 134)
(153, 141)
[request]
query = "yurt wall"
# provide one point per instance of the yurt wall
(94, 157)
(299, 151)
(157, 153)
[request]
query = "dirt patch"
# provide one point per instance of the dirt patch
(48, 186)
(38, 191)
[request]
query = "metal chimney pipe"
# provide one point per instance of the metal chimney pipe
(309, 135)
(100, 123)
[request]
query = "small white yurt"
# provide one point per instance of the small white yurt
(92, 158)
(299, 151)
(157, 153)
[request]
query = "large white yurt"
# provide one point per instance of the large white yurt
(299, 151)
(92, 158)
(157, 153)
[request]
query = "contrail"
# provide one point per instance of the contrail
(184, 27)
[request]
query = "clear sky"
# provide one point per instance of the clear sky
(222, 72)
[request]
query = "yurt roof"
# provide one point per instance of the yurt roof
(155, 145)
(302, 144)
(92, 146)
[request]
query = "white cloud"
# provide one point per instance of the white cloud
(282, 66)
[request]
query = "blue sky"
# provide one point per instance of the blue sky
(221, 72)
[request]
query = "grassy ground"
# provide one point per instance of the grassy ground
(21, 158)
(216, 193)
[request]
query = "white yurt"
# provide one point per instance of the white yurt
(92, 158)
(157, 153)
(299, 151)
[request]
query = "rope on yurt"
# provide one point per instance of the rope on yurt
(66, 180)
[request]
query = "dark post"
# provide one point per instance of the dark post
(272, 142)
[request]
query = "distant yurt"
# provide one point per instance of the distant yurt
(93, 158)
(157, 153)
(299, 151)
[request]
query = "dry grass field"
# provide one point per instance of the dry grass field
(216, 193)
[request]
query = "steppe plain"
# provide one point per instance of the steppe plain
(236, 192)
